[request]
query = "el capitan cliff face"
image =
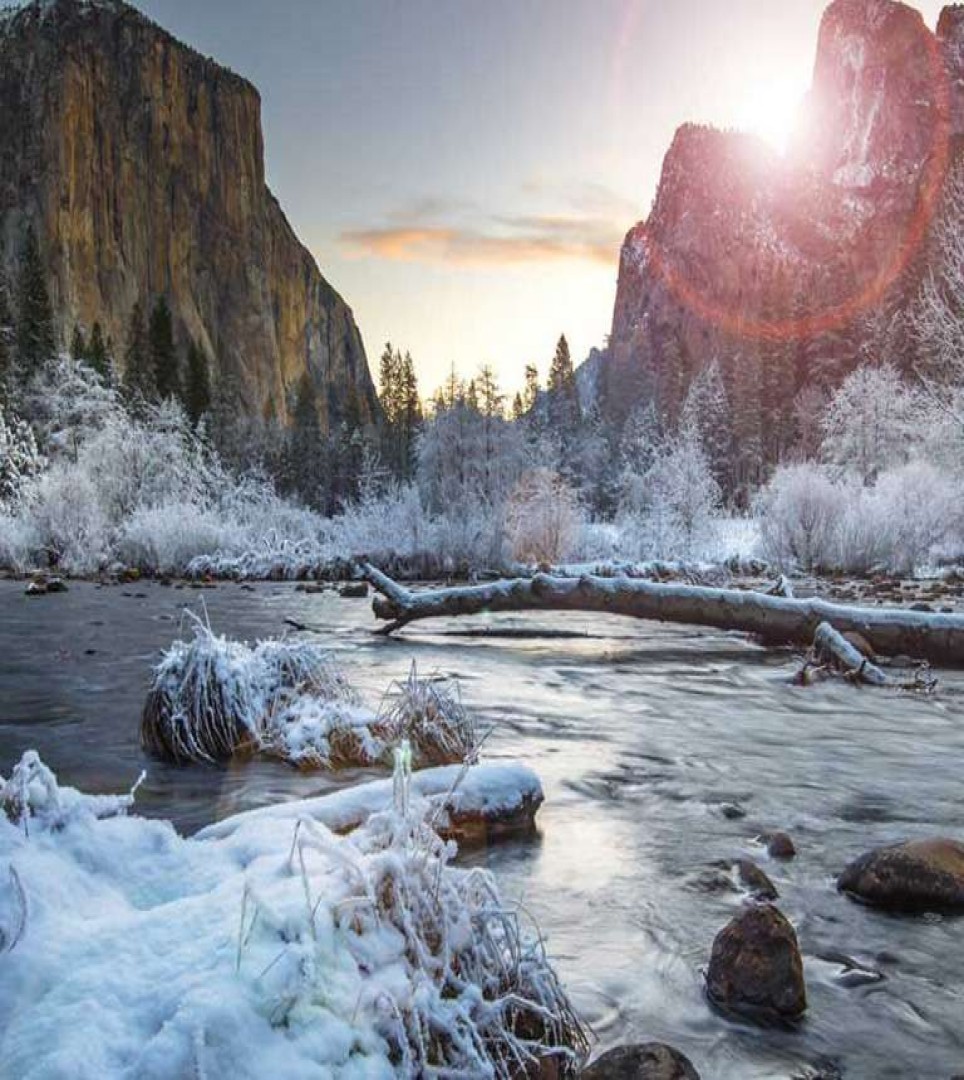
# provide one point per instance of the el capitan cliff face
(141, 164)
(789, 271)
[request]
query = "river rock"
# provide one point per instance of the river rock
(354, 590)
(756, 969)
(779, 845)
(646, 1061)
(748, 874)
(919, 876)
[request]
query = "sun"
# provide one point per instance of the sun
(772, 111)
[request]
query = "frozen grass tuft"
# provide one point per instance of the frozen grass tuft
(479, 997)
(212, 698)
(429, 713)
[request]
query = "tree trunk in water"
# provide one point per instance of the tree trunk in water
(936, 638)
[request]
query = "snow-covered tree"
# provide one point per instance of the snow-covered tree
(873, 422)
(543, 517)
(706, 412)
(20, 461)
(670, 509)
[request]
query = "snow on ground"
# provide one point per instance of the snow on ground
(265, 948)
(488, 790)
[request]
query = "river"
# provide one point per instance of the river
(641, 734)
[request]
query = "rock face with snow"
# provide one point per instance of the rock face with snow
(788, 269)
(141, 164)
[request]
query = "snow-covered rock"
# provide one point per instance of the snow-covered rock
(266, 947)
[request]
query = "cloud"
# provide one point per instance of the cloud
(503, 240)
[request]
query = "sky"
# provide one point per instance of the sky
(464, 171)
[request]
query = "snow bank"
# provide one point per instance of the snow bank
(275, 949)
(494, 792)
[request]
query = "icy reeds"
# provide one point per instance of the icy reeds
(479, 997)
(212, 698)
(428, 712)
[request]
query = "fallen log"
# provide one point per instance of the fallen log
(937, 638)
(836, 653)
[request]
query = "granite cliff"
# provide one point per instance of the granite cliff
(141, 165)
(789, 270)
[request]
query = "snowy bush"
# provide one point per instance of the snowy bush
(670, 510)
(18, 543)
(165, 537)
(811, 520)
(799, 511)
(543, 518)
(72, 529)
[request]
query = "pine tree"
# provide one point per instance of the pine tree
(518, 408)
(167, 377)
(78, 344)
(410, 413)
(563, 396)
(561, 374)
(197, 387)
(35, 320)
(98, 353)
(306, 451)
(140, 382)
(7, 336)
(531, 395)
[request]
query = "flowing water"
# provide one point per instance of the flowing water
(641, 735)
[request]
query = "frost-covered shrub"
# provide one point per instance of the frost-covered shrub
(799, 511)
(167, 536)
(811, 520)
(72, 529)
(918, 511)
(381, 524)
(543, 518)
(18, 542)
(670, 510)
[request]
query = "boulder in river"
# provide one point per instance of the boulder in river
(354, 590)
(915, 877)
(780, 845)
(645, 1061)
(736, 874)
(756, 969)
